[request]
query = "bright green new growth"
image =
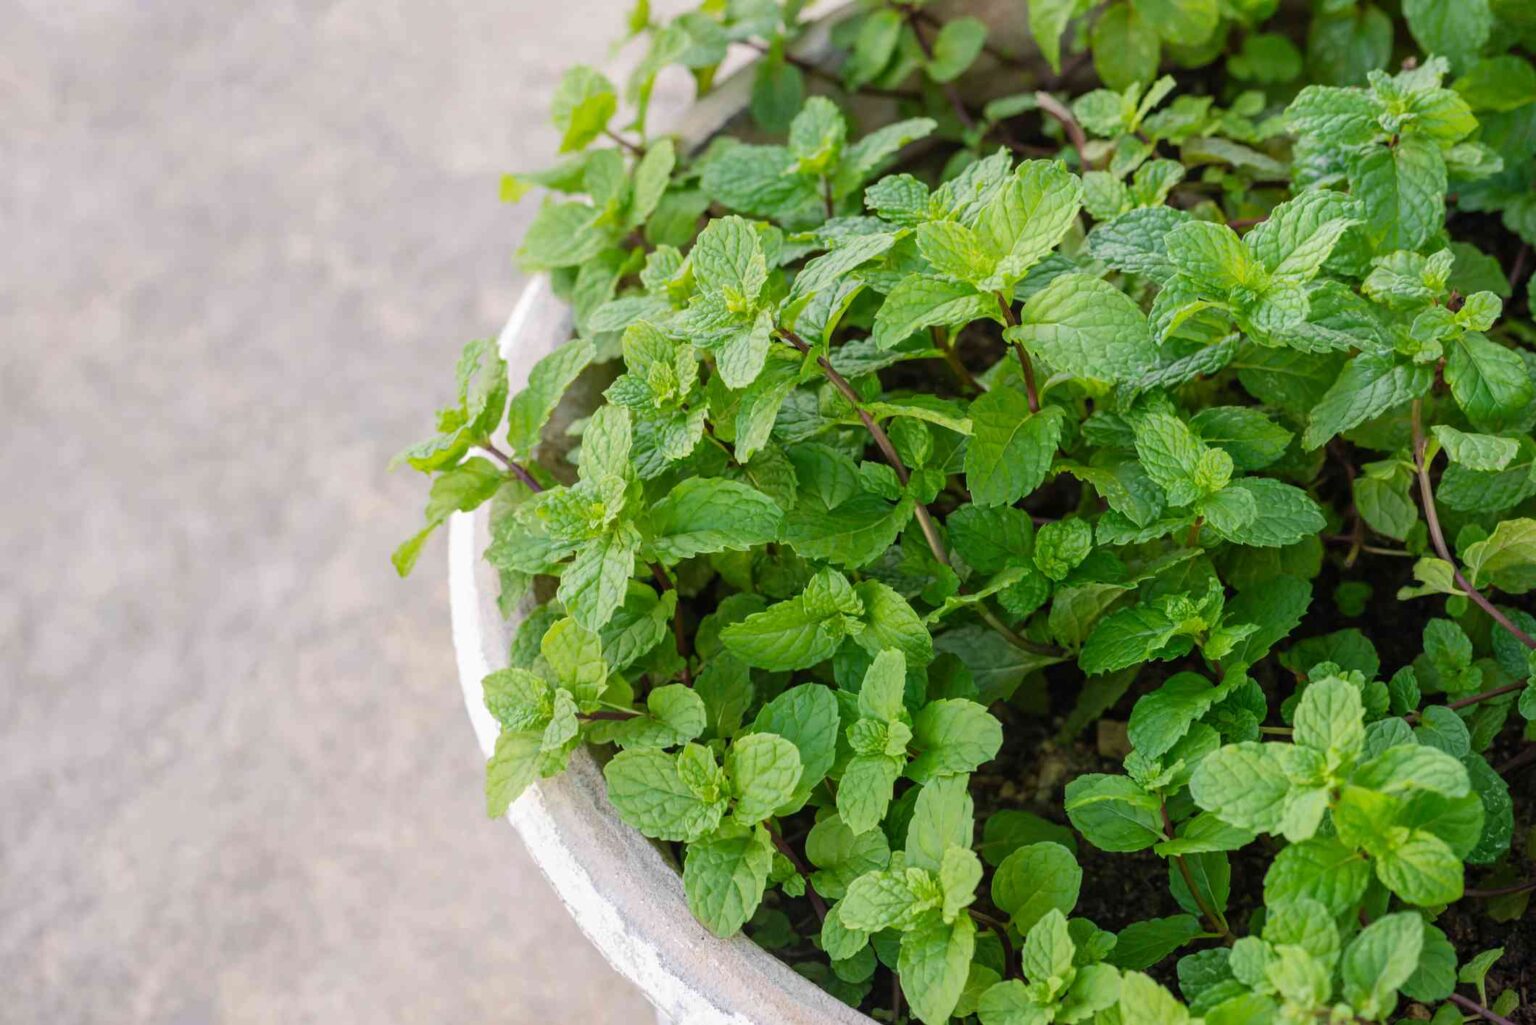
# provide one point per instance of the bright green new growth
(923, 438)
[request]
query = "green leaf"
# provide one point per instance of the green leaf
(548, 380)
(1011, 449)
(764, 770)
(1126, 638)
(778, 91)
(1145, 943)
(787, 635)
(583, 104)
(842, 855)
(1087, 328)
(1250, 437)
(1144, 1002)
(677, 715)
(1506, 558)
(724, 878)
(1250, 786)
(1177, 460)
(920, 302)
(865, 790)
(807, 717)
(1369, 386)
(757, 180)
(959, 875)
(1213, 257)
(1379, 960)
(710, 514)
(1502, 83)
(1330, 717)
(593, 585)
(957, 45)
(729, 255)
(1027, 218)
(1135, 242)
(851, 535)
(1320, 869)
(1300, 234)
(512, 767)
(1456, 29)
(1048, 948)
(935, 961)
(1420, 868)
(1162, 718)
(1035, 879)
(997, 666)
(941, 818)
(954, 250)
(1402, 189)
(1047, 22)
(650, 794)
(953, 736)
(1113, 813)
(1491, 383)
(990, 538)
(816, 136)
(459, 488)
(1386, 506)
(1060, 547)
(1125, 48)
(1344, 45)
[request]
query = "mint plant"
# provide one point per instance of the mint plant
(1053, 549)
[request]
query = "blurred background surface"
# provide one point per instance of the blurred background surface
(243, 244)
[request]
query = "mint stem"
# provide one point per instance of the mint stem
(1030, 392)
(1474, 1007)
(634, 148)
(924, 518)
(1213, 918)
(1054, 107)
(817, 904)
(511, 464)
(1437, 536)
(1000, 930)
(950, 92)
(882, 441)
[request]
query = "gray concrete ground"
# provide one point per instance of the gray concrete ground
(242, 243)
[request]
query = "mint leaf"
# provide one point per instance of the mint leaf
(724, 878)
(764, 771)
(583, 104)
(1036, 879)
(706, 514)
(1113, 813)
(548, 380)
(1011, 448)
(1369, 386)
(920, 302)
(650, 793)
(1086, 328)
(953, 736)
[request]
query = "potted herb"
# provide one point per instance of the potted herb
(1035, 529)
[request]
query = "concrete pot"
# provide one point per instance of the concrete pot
(623, 890)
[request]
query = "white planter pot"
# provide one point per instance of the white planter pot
(624, 893)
